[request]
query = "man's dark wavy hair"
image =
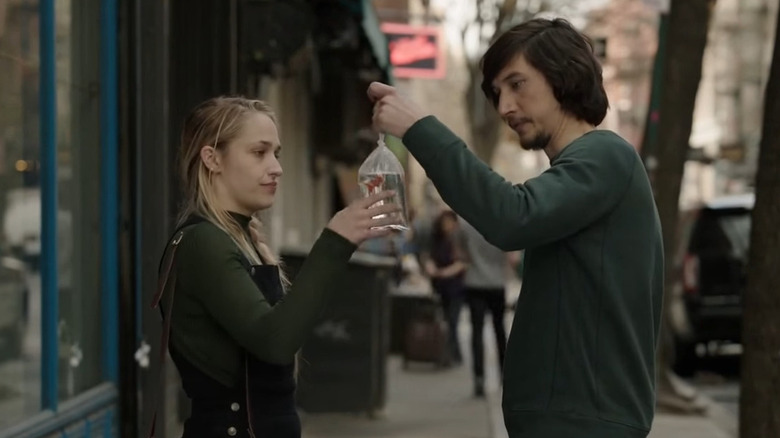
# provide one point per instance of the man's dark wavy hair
(563, 55)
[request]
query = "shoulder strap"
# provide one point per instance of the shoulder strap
(164, 279)
(169, 276)
(251, 429)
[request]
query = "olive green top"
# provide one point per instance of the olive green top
(581, 355)
(218, 311)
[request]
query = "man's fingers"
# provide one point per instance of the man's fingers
(378, 90)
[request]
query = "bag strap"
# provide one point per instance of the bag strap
(251, 429)
(166, 277)
(170, 276)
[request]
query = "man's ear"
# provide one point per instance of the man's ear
(210, 158)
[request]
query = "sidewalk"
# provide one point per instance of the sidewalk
(426, 403)
(421, 403)
(672, 426)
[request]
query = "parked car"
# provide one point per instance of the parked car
(22, 224)
(715, 241)
(14, 300)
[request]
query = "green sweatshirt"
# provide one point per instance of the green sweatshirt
(581, 355)
(218, 311)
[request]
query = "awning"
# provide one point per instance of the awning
(364, 11)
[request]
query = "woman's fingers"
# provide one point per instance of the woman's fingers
(385, 221)
(378, 232)
(370, 200)
(381, 209)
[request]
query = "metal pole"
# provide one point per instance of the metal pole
(48, 136)
(109, 188)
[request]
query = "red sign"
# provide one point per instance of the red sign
(415, 51)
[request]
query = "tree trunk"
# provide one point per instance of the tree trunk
(756, 38)
(759, 402)
(727, 47)
(687, 38)
(484, 119)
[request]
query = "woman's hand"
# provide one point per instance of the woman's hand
(359, 221)
(430, 269)
(452, 270)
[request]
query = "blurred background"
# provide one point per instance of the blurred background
(92, 97)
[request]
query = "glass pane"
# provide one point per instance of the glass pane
(737, 228)
(20, 206)
(78, 161)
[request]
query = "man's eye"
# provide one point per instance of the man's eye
(517, 84)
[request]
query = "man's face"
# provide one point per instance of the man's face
(526, 103)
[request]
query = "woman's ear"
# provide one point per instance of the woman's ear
(210, 158)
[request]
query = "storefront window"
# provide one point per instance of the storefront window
(78, 217)
(78, 169)
(20, 244)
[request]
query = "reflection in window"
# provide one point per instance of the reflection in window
(20, 244)
(78, 218)
(78, 258)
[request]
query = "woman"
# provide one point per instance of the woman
(446, 267)
(234, 333)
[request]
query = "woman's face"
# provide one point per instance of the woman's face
(248, 170)
(448, 225)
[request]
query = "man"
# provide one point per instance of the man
(580, 357)
(485, 283)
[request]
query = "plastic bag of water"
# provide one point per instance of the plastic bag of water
(382, 171)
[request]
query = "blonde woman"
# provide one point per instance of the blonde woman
(234, 332)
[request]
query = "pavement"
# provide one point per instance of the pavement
(426, 402)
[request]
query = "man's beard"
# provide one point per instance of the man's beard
(537, 143)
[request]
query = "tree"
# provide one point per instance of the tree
(759, 402)
(482, 22)
(484, 120)
(688, 24)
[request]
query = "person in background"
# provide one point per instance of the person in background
(485, 286)
(446, 266)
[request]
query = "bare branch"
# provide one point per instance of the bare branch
(505, 11)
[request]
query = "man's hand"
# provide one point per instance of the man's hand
(393, 113)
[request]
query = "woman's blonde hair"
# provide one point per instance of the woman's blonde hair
(217, 122)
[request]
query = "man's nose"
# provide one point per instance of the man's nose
(506, 105)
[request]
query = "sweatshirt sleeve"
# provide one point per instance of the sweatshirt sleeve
(586, 181)
(210, 267)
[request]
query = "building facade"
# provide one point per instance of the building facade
(92, 96)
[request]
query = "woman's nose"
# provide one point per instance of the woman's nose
(276, 168)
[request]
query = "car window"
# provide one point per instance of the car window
(722, 232)
(737, 229)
